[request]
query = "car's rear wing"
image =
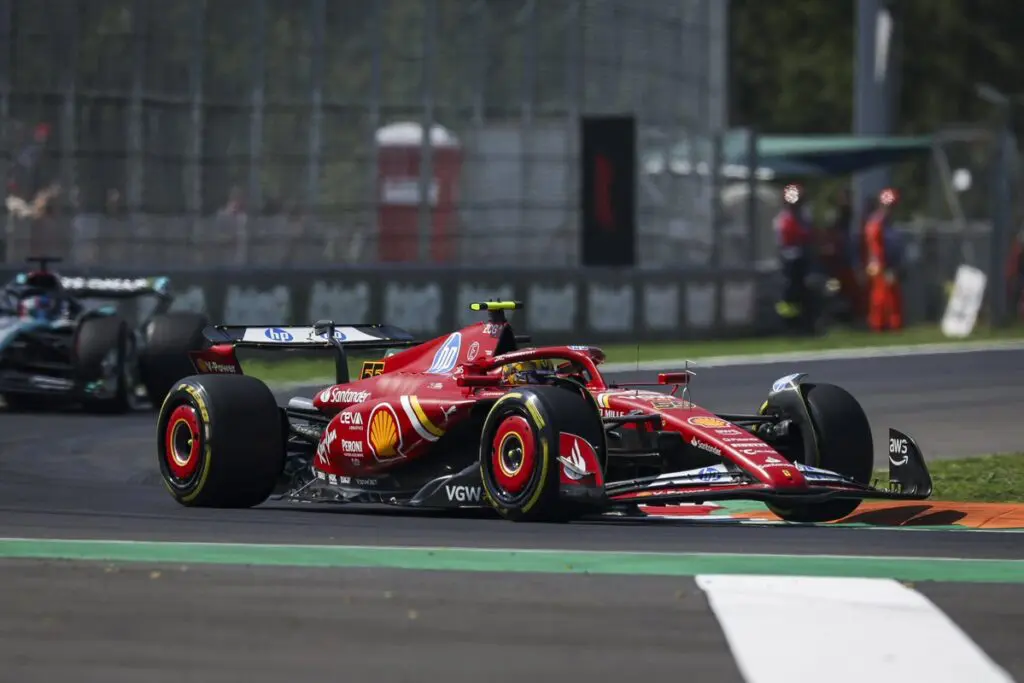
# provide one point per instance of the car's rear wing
(323, 334)
(318, 335)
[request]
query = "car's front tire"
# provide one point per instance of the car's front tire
(842, 433)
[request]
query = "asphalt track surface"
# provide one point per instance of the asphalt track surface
(70, 475)
(126, 623)
(82, 476)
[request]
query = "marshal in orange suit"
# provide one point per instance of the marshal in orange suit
(885, 298)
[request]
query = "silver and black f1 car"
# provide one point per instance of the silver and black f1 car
(56, 346)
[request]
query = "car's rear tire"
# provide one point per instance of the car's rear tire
(845, 446)
(95, 340)
(519, 449)
(165, 360)
(221, 441)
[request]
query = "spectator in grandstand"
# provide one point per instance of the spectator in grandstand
(794, 235)
(232, 230)
(1015, 276)
(32, 190)
(837, 257)
(114, 206)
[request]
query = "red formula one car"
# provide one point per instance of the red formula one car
(471, 419)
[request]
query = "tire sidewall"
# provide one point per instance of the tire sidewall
(841, 436)
(842, 430)
(194, 396)
(242, 440)
(544, 476)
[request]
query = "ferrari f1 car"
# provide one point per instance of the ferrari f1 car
(56, 346)
(473, 419)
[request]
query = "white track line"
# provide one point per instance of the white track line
(858, 353)
(794, 629)
(854, 353)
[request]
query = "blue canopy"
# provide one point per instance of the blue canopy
(789, 155)
(826, 154)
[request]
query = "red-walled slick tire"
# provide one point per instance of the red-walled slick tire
(220, 441)
(519, 467)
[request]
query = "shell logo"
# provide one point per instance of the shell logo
(709, 422)
(383, 434)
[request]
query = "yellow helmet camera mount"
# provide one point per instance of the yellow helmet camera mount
(496, 309)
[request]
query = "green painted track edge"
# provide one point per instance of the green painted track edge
(508, 560)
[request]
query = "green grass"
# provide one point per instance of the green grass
(983, 479)
(301, 367)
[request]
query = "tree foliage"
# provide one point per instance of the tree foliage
(792, 66)
(793, 62)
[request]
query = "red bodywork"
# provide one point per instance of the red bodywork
(402, 405)
(395, 416)
(704, 430)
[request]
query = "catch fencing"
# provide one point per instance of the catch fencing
(288, 133)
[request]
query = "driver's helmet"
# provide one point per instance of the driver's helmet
(38, 307)
(527, 371)
(42, 280)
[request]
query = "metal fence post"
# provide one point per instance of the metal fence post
(715, 216)
(1002, 216)
(718, 63)
(480, 58)
(528, 18)
(135, 165)
(258, 95)
(373, 122)
(715, 190)
(426, 180)
(318, 20)
(753, 162)
(574, 106)
(529, 76)
(6, 36)
(6, 231)
(195, 86)
(68, 134)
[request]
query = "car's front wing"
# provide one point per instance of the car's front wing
(909, 479)
(759, 492)
(16, 381)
